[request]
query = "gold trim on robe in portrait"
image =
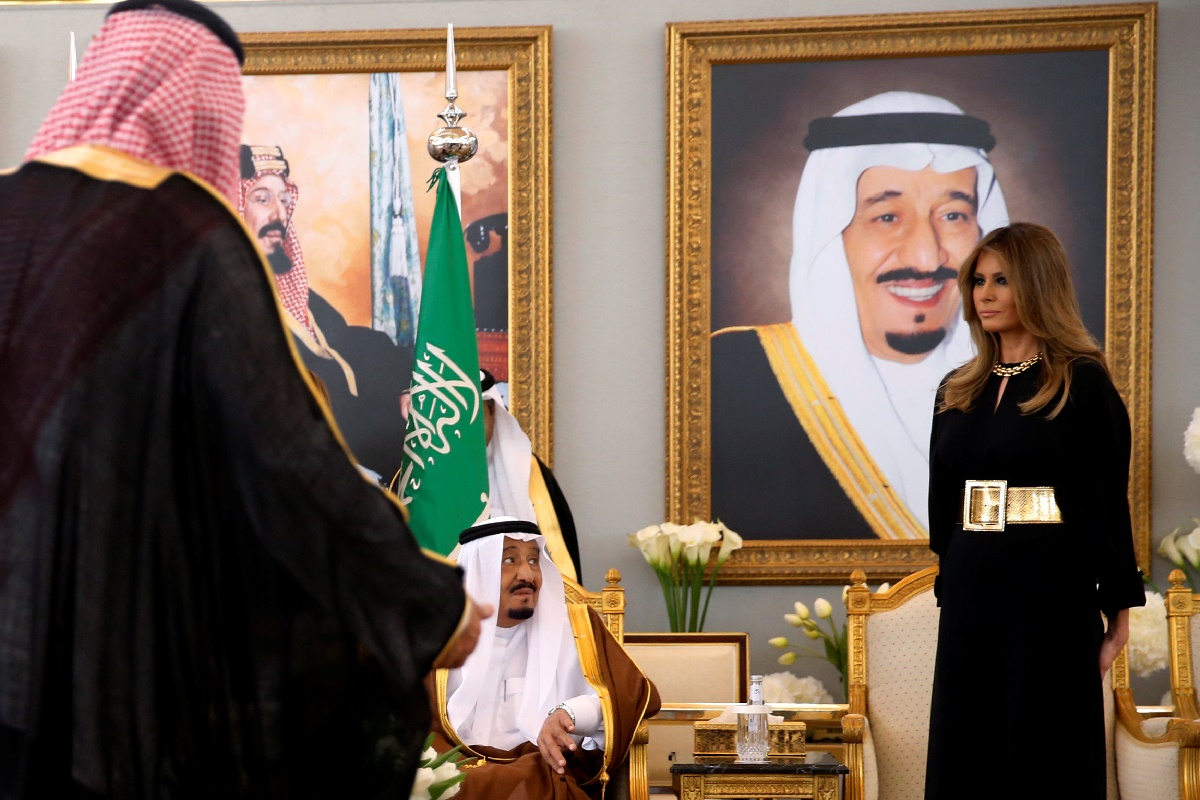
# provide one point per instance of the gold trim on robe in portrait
(832, 435)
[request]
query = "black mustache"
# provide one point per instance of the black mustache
(272, 226)
(942, 273)
(522, 585)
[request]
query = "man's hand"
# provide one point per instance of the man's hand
(465, 640)
(555, 735)
(1114, 639)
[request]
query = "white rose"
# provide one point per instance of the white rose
(810, 690)
(784, 687)
(1191, 441)
(1148, 636)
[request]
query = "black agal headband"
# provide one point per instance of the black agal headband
(193, 11)
(498, 526)
(899, 128)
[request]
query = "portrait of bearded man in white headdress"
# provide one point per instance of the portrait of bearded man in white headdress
(896, 191)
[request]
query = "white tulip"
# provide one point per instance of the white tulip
(822, 608)
(421, 783)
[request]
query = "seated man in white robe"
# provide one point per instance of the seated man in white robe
(549, 700)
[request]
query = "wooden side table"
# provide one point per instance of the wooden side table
(819, 780)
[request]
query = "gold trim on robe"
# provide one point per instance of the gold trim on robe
(547, 522)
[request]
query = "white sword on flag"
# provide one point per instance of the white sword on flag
(451, 144)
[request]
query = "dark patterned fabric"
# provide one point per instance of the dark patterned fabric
(200, 595)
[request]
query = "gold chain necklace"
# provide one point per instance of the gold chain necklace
(1016, 369)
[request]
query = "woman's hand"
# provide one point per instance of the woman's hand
(1114, 639)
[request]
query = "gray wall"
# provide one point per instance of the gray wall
(608, 247)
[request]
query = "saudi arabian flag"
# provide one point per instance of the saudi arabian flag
(443, 475)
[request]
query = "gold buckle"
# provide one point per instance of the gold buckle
(984, 505)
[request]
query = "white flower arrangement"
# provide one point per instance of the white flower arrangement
(1148, 636)
(784, 687)
(679, 554)
(834, 640)
(1191, 441)
(438, 777)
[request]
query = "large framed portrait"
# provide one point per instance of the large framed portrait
(335, 169)
(811, 313)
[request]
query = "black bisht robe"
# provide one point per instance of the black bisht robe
(562, 512)
(768, 481)
(369, 419)
(1021, 625)
(200, 595)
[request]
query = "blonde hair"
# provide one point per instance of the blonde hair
(1036, 268)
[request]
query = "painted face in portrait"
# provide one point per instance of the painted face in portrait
(520, 581)
(268, 210)
(896, 191)
(910, 233)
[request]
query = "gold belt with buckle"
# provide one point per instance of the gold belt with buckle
(989, 505)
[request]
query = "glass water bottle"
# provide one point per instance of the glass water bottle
(752, 743)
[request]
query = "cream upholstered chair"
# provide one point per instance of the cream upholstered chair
(886, 728)
(885, 732)
(716, 672)
(1159, 758)
(631, 781)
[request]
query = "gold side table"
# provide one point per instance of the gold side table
(818, 780)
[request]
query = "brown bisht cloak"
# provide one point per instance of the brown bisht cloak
(200, 595)
(626, 698)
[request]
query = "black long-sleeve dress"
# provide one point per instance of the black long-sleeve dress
(1021, 626)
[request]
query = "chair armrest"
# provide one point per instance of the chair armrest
(853, 731)
(1155, 730)
(637, 767)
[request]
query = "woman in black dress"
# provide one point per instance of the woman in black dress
(1034, 426)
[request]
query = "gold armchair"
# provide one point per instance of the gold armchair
(1159, 758)
(632, 781)
(885, 731)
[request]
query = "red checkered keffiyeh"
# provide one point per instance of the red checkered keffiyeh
(158, 86)
(293, 284)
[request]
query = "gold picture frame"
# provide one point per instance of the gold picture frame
(524, 53)
(1113, 46)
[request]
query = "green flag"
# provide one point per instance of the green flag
(443, 475)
